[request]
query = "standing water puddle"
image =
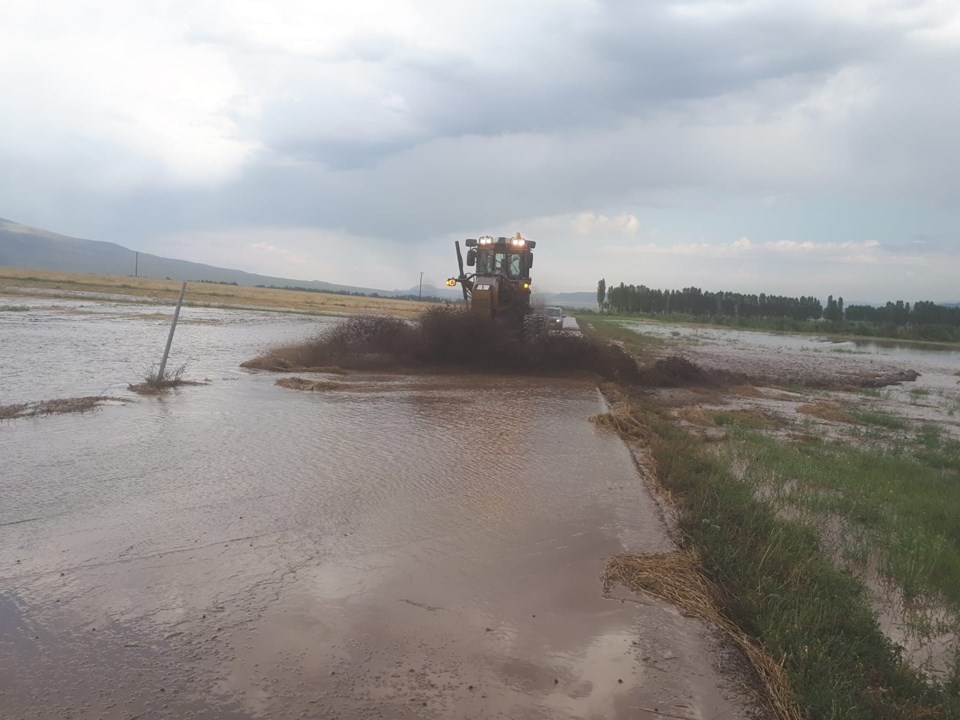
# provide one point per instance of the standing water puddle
(425, 547)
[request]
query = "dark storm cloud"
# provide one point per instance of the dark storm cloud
(413, 122)
(624, 60)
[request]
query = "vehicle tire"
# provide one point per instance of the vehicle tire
(533, 326)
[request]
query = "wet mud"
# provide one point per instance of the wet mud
(59, 406)
(447, 340)
(786, 360)
(405, 547)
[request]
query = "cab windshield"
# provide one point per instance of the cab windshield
(500, 263)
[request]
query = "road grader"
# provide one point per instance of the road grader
(499, 288)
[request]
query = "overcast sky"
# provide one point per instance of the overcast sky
(788, 147)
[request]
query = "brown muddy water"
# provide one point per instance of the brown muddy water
(423, 547)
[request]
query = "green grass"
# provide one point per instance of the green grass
(781, 586)
(748, 420)
(880, 419)
(906, 495)
(645, 347)
(845, 330)
(897, 492)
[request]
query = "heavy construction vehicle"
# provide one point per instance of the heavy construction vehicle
(499, 289)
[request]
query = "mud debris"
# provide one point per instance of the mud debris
(151, 388)
(298, 383)
(59, 406)
(446, 339)
(676, 371)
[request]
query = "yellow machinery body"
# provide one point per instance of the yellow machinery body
(499, 288)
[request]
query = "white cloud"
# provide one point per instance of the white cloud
(595, 224)
(92, 90)
(629, 125)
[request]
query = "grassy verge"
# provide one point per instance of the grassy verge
(860, 330)
(779, 584)
(900, 498)
(643, 347)
(787, 523)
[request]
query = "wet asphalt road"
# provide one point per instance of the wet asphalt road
(400, 548)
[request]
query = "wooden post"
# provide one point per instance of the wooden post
(173, 326)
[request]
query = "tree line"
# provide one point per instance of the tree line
(743, 307)
(694, 301)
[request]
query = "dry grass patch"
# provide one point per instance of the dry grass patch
(215, 294)
(750, 391)
(59, 406)
(697, 416)
(624, 422)
(827, 411)
(676, 578)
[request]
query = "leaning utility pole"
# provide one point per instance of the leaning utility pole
(420, 294)
(173, 326)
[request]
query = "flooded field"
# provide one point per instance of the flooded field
(808, 392)
(784, 360)
(423, 547)
(63, 348)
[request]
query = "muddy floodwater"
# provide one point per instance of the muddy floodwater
(423, 547)
(932, 397)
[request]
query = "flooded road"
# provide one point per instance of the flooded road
(408, 548)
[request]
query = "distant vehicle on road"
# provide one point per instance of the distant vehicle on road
(554, 318)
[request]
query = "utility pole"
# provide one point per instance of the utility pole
(173, 326)
(420, 294)
(136, 263)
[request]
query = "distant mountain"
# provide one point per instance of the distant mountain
(431, 291)
(26, 247)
